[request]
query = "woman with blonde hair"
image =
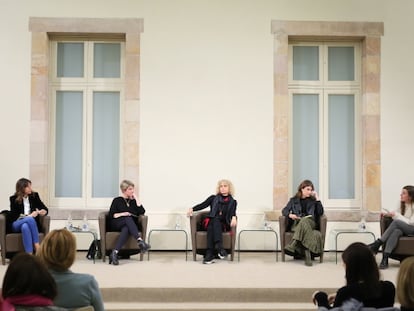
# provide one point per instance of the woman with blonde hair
(222, 216)
(123, 215)
(405, 285)
(75, 290)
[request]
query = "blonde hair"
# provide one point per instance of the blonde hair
(405, 287)
(228, 183)
(125, 184)
(58, 250)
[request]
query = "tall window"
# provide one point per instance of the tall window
(86, 86)
(324, 96)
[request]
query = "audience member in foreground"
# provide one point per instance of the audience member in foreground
(25, 208)
(123, 214)
(75, 290)
(402, 224)
(27, 285)
(405, 284)
(304, 211)
(362, 282)
(221, 218)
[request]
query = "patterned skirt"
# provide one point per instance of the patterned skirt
(305, 233)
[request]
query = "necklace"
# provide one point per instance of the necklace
(127, 202)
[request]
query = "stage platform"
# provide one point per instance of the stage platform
(168, 282)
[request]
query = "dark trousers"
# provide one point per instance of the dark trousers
(127, 227)
(215, 234)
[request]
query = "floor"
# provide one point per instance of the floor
(255, 270)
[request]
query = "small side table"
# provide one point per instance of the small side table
(74, 230)
(257, 230)
(169, 230)
(339, 232)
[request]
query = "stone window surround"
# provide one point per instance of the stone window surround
(130, 29)
(370, 35)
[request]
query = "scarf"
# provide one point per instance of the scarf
(223, 206)
(24, 300)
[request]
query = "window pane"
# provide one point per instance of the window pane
(105, 175)
(341, 64)
(306, 63)
(107, 60)
(305, 140)
(341, 147)
(68, 169)
(70, 60)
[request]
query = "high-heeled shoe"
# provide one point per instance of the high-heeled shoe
(113, 258)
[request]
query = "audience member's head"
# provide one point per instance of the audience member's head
(405, 283)
(361, 266)
(26, 275)
(58, 250)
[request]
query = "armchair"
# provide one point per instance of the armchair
(405, 246)
(286, 236)
(109, 238)
(199, 238)
(12, 243)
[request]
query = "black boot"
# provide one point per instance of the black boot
(308, 259)
(375, 246)
(113, 258)
(384, 261)
(144, 247)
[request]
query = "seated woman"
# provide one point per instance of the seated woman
(28, 284)
(222, 216)
(362, 282)
(304, 211)
(123, 214)
(402, 224)
(25, 208)
(75, 290)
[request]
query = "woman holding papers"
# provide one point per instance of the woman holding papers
(25, 209)
(123, 213)
(304, 211)
(402, 224)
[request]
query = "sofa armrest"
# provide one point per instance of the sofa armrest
(323, 221)
(45, 223)
(143, 220)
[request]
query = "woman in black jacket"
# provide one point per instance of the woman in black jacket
(222, 216)
(304, 211)
(123, 215)
(25, 208)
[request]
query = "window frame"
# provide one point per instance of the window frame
(43, 29)
(369, 33)
(323, 87)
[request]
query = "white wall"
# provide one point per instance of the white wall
(207, 94)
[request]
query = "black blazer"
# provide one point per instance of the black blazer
(16, 208)
(313, 207)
